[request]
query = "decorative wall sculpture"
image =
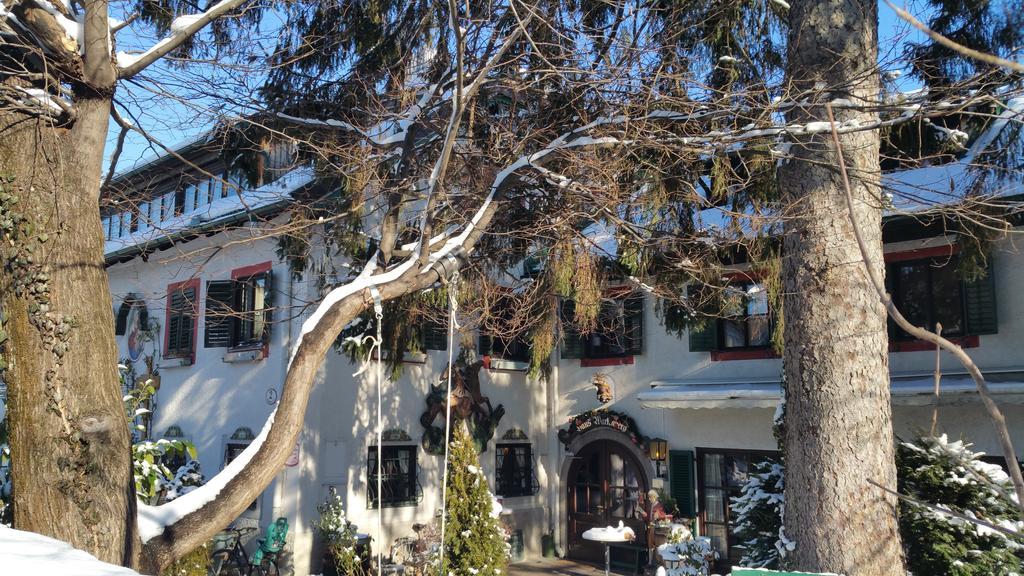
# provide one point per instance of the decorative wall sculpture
(467, 405)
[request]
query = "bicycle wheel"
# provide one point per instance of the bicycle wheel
(266, 568)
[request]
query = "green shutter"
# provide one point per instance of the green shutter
(572, 341)
(705, 337)
(633, 320)
(980, 304)
(680, 471)
(220, 297)
(122, 316)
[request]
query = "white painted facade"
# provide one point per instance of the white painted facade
(211, 399)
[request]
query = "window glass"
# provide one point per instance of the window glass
(513, 470)
(912, 293)
(946, 293)
(746, 319)
(398, 476)
(928, 291)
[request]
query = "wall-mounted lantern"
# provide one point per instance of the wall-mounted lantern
(657, 449)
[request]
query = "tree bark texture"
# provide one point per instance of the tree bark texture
(838, 416)
(70, 442)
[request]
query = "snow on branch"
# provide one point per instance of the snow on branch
(182, 28)
(153, 520)
(378, 134)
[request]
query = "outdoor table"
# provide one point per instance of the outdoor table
(609, 536)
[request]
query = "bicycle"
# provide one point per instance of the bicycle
(229, 557)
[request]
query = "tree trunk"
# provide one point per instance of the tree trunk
(838, 416)
(70, 442)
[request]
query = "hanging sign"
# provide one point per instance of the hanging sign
(594, 419)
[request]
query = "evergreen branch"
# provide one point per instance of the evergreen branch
(948, 43)
(183, 28)
(948, 512)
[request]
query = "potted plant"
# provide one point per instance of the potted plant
(342, 551)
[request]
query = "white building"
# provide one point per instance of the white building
(186, 251)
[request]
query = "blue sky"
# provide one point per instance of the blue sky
(188, 100)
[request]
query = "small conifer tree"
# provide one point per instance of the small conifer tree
(950, 475)
(474, 541)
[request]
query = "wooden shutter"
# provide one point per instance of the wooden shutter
(680, 471)
(180, 321)
(703, 338)
(980, 304)
(122, 317)
(633, 321)
(188, 318)
(572, 341)
(220, 296)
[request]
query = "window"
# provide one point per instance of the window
(619, 331)
(398, 480)
(231, 451)
(178, 200)
(514, 470)
(238, 310)
(927, 292)
(735, 323)
(721, 475)
(510, 349)
(746, 322)
(432, 335)
(181, 319)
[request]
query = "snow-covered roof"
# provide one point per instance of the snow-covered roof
(935, 186)
(165, 224)
(906, 390)
(23, 553)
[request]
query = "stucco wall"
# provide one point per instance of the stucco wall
(211, 399)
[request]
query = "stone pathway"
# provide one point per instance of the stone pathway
(555, 566)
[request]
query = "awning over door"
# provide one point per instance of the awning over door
(907, 390)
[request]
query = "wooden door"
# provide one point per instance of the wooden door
(606, 485)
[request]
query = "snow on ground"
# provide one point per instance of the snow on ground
(23, 553)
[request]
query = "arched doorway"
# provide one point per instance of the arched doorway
(606, 483)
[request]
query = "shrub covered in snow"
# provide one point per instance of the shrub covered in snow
(339, 535)
(688, 557)
(944, 474)
(474, 540)
(758, 513)
(165, 470)
(951, 476)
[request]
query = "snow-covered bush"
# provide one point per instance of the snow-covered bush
(758, 517)
(165, 470)
(950, 476)
(475, 542)
(6, 508)
(944, 474)
(339, 535)
(689, 557)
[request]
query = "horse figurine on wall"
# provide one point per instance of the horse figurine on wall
(468, 404)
